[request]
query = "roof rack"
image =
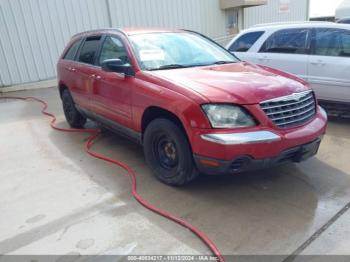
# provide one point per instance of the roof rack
(98, 31)
(291, 23)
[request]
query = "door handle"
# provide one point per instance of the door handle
(71, 69)
(318, 62)
(264, 58)
(96, 77)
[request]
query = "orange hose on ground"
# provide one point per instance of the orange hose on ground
(94, 133)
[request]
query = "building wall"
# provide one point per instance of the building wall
(33, 33)
(204, 16)
(298, 11)
(343, 10)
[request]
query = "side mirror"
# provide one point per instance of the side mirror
(116, 65)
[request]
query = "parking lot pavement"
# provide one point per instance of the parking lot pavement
(55, 199)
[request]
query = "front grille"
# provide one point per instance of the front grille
(292, 110)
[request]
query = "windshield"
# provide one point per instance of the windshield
(157, 51)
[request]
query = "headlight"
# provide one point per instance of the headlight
(227, 116)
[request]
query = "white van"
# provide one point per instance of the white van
(318, 52)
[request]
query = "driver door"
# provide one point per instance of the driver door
(287, 50)
(111, 92)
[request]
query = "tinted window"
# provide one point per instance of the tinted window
(89, 49)
(290, 41)
(70, 54)
(332, 42)
(113, 48)
(245, 42)
(344, 21)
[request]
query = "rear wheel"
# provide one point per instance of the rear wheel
(73, 117)
(168, 153)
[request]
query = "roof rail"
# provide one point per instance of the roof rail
(98, 30)
(292, 22)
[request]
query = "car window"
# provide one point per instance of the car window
(89, 49)
(155, 51)
(290, 41)
(113, 48)
(344, 21)
(245, 42)
(332, 42)
(345, 41)
(70, 54)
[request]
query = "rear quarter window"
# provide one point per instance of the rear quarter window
(72, 51)
(245, 42)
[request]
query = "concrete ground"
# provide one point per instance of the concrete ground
(55, 199)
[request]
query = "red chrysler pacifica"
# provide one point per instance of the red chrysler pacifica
(193, 106)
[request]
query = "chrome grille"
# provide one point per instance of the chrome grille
(291, 110)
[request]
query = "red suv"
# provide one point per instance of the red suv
(193, 106)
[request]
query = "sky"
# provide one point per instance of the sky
(323, 7)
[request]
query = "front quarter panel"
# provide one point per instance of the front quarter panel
(148, 93)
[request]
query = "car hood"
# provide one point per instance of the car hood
(240, 83)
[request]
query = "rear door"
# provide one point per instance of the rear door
(85, 69)
(112, 91)
(67, 67)
(287, 50)
(329, 64)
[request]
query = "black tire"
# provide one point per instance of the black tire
(168, 153)
(73, 117)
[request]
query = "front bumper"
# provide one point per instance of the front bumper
(245, 163)
(242, 138)
(225, 152)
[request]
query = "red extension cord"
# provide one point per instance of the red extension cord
(94, 133)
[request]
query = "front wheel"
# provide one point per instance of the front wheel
(168, 153)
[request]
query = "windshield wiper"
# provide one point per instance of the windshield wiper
(171, 66)
(174, 66)
(222, 62)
